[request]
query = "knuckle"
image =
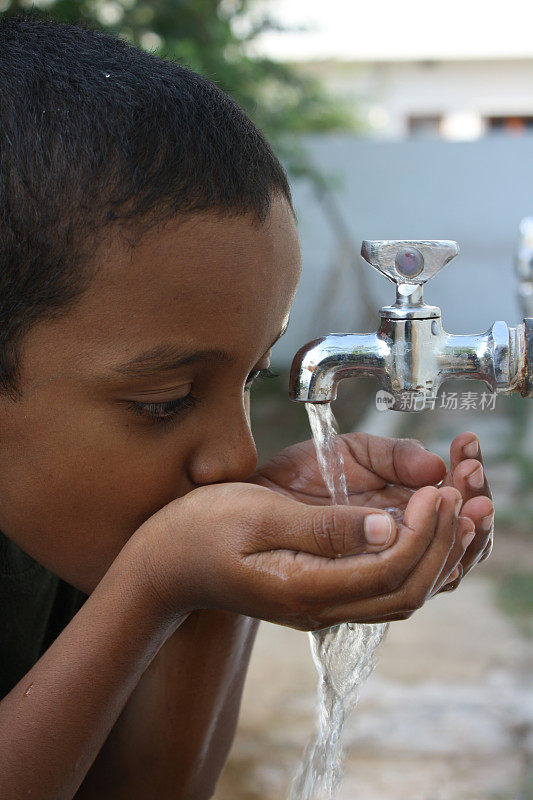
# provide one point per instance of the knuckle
(326, 532)
(250, 517)
(251, 527)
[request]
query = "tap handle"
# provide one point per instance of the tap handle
(411, 261)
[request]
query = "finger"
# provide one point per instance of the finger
(481, 511)
(464, 536)
(448, 524)
(381, 620)
(470, 479)
(478, 508)
(319, 580)
(447, 584)
(454, 581)
(479, 550)
(326, 532)
(467, 470)
(405, 589)
(388, 460)
(465, 445)
(386, 618)
(467, 474)
(487, 551)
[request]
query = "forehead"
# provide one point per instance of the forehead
(204, 258)
(192, 281)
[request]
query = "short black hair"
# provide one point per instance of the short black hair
(96, 132)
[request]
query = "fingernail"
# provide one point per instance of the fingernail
(377, 528)
(476, 479)
(423, 446)
(486, 522)
(471, 449)
(467, 538)
(458, 504)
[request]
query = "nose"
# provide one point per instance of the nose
(227, 449)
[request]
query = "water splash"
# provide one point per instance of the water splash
(344, 655)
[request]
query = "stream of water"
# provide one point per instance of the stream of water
(344, 655)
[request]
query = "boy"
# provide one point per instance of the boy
(149, 261)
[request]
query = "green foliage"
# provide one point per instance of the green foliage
(214, 38)
(515, 596)
(518, 413)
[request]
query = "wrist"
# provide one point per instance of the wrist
(138, 558)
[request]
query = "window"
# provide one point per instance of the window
(514, 125)
(424, 125)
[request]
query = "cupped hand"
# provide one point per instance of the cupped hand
(384, 472)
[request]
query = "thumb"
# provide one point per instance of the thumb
(332, 531)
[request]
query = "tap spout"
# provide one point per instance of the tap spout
(319, 365)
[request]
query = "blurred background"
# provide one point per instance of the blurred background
(395, 121)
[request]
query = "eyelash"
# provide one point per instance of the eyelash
(167, 412)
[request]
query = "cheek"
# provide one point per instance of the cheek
(73, 491)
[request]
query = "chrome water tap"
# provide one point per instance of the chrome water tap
(411, 354)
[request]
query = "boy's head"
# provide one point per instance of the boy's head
(141, 212)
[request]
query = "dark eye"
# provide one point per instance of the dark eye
(163, 413)
(171, 410)
(258, 373)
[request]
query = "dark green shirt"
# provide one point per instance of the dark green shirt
(35, 606)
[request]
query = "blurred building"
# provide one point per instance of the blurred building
(450, 99)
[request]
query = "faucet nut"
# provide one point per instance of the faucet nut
(500, 335)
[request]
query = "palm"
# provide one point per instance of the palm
(295, 472)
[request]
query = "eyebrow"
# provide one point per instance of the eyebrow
(167, 357)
